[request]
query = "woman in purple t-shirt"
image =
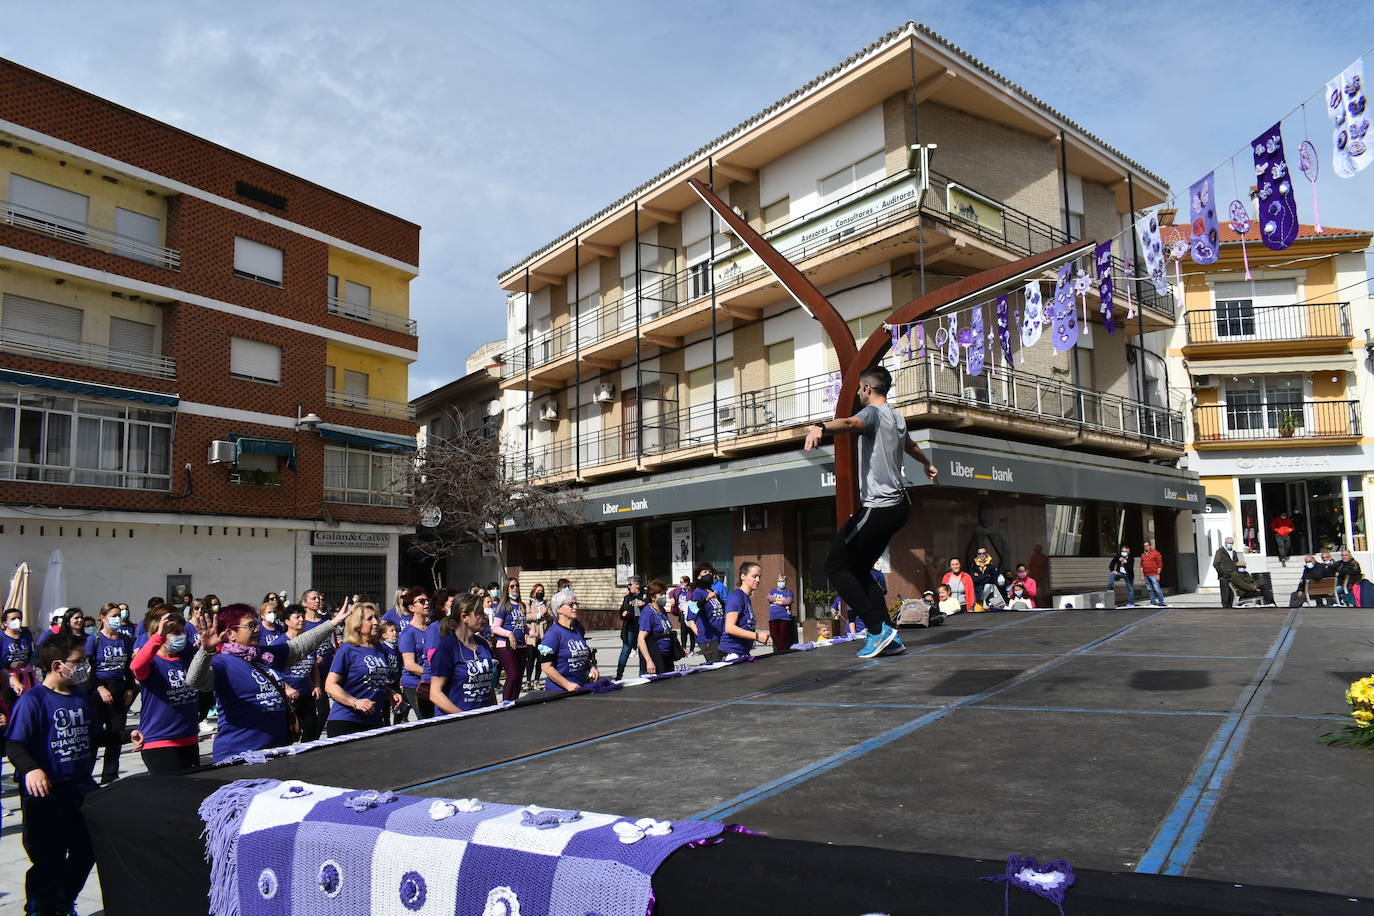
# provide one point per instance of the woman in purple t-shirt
(740, 637)
(462, 668)
(414, 653)
(566, 658)
(167, 736)
(359, 679)
(508, 626)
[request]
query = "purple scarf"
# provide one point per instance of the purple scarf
(247, 653)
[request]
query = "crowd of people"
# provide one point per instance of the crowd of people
(1326, 579)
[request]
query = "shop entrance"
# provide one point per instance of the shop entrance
(1327, 513)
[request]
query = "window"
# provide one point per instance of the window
(254, 360)
(1265, 403)
(354, 475)
(328, 378)
(244, 189)
(31, 323)
(861, 174)
(355, 387)
(83, 441)
(45, 206)
(357, 300)
(139, 236)
(257, 261)
(776, 213)
(333, 282)
(132, 336)
(699, 395)
(1236, 318)
(862, 328)
(782, 363)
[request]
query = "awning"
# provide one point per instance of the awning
(367, 438)
(90, 389)
(1336, 362)
(253, 445)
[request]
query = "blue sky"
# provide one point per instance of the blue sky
(488, 123)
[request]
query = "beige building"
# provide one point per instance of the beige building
(655, 364)
(1279, 369)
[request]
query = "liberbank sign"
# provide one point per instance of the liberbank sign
(1050, 473)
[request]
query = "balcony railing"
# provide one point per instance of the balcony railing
(1017, 232)
(361, 403)
(90, 236)
(368, 315)
(1220, 423)
(916, 381)
(1245, 323)
(87, 354)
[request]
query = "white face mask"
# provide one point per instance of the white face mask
(113, 621)
(123, 613)
(12, 625)
(271, 618)
(1125, 553)
(1229, 545)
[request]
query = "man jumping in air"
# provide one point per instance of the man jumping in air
(883, 506)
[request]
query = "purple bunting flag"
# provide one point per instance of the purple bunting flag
(1103, 256)
(1065, 333)
(1004, 330)
(977, 354)
(1205, 239)
(1152, 247)
(1278, 213)
(1345, 105)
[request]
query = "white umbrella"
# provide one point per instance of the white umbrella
(19, 591)
(54, 589)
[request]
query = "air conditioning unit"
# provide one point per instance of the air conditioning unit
(605, 393)
(725, 414)
(220, 452)
(522, 417)
(1203, 381)
(549, 411)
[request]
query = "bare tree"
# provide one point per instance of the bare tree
(478, 494)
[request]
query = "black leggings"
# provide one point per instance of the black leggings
(424, 709)
(113, 717)
(336, 727)
(166, 760)
(857, 547)
(307, 713)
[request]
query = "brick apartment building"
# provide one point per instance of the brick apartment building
(203, 361)
(657, 368)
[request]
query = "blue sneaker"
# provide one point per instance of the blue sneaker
(896, 647)
(877, 642)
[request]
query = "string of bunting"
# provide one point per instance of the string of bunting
(967, 336)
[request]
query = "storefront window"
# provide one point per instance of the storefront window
(1065, 529)
(1358, 539)
(715, 543)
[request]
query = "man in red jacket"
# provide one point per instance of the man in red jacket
(1151, 564)
(1282, 526)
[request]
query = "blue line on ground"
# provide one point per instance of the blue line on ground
(783, 783)
(998, 708)
(737, 701)
(1178, 836)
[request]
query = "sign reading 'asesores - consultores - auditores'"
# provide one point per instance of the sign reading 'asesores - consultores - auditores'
(349, 539)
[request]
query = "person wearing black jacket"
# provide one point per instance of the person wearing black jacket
(1312, 571)
(1347, 572)
(1122, 566)
(984, 573)
(630, 606)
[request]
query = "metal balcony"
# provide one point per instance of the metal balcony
(361, 403)
(368, 315)
(1240, 324)
(87, 354)
(1227, 425)
(87, 235)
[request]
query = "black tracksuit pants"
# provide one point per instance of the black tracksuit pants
(856, 548)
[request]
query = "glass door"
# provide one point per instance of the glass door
(1302, 516)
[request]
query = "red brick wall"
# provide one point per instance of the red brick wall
(59, 110)
(773, 548)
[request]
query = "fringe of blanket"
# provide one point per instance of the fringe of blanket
(222, 814)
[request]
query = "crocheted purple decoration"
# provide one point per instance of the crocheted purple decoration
(1278, 213)
(291, 848)
(1004, 329)
(1050, 881)
(1102, 256)
(1065, 331)
(1205, 240)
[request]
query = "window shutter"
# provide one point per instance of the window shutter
(131, 336)
(358, 299)
(262, 262)
(255, 360)
(355, 383)
(144, 229)
(30, 318)
(782, 363)
(68, 206)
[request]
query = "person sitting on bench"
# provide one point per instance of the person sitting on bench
(1247, 587)
(1312, 585)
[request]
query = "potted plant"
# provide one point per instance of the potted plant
(1289, 420)
(817, 602)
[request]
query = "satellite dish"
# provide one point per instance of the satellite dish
(494, 407)
(431, 516)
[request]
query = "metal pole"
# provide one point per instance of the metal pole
(925, 168)
(527, 372)
(1064, 184)
(711, 278)
(1140, 310)
(639, 379)
(577, 356)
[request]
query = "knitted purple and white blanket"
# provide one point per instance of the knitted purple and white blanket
(291, 847)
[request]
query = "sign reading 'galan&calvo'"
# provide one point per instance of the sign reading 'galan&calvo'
(349, 539)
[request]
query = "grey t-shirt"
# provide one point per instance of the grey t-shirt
(882, 445)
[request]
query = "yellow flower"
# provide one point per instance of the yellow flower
(1364, 717)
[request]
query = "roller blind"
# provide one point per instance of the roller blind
(68, 206)
(139, 228)
(30, 318)
(255, 360)
(782, 363)
(131, 336)
(256, 260)
(355, 383)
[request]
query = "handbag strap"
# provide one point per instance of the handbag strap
(281, 688)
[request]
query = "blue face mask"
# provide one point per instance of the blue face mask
(1311, 565)
(177, 643)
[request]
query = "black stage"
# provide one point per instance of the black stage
(1134, 743)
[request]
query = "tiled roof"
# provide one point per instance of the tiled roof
(885, 41)
(1305, 232)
